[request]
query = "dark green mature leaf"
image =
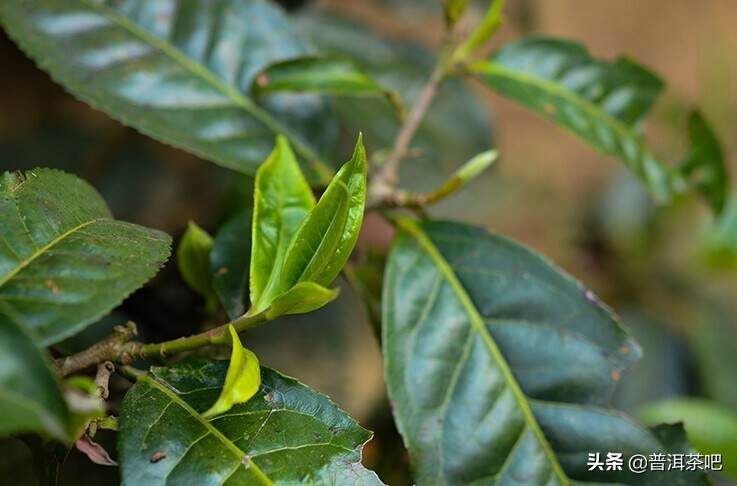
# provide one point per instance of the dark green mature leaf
(64, 262)
(193, 260)
(230, 261)
(30, 400)
(179, 71)
(329, 75)
(282, 200)
(704, 164)
(598, 101)
(498, 364)
(711, 427)
(286, 434)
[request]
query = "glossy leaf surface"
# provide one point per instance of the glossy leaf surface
(328, 75)
(326, 237)
(193, 260)
(64, 262)
(30, 399)
(499, 364)
(286, 434)
(178, 70)
(303, 297)
(282, 200)
(230, 261)
(600, 102)
(242, 380)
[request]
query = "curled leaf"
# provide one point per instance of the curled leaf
(303, 297)
(242, 380)
(94, 451)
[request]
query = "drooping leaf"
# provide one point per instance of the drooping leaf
(600, 102)
(326, 237)
(282, 199)
(64, 262)
(704, 164)
(30, 399)
(242, 380)
(328, 75)
(178, 71)
(230, 261)
(711, 427)
(498, 364)
(193, 259)
(302, 298)
(286, 434)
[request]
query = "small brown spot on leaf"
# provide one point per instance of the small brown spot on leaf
(550, 109)
(262, 80)
(616, 375)
(624, 350)
(222, 271)
(52, 285)
(157, 456)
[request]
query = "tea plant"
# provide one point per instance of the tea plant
(499, 365)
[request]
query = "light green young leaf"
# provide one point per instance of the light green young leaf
(327, 236)
(328, 75)
(64, 261)
(242, 380)
(482, 33)
(710, 426)
(282, 199)
(30, 398)
(193, 259)
(461, 177)
(704, 165)
(600, 102)
(302, 298)
(178, 72)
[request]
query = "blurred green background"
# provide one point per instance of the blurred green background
(670, 272)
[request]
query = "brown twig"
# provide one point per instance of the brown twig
(119, 347)
(102, 378)
(388, 175)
